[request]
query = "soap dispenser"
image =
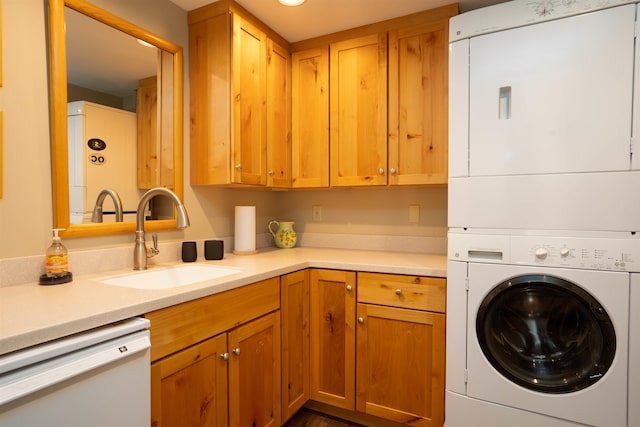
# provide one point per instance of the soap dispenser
(57, 262)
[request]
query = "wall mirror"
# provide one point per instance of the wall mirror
(147, 104)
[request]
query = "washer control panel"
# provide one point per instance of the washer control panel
(613, 254)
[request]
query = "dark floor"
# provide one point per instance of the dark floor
(308, 418)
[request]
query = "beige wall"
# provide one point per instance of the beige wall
(25, 209)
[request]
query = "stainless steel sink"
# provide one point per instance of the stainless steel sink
(170, 277)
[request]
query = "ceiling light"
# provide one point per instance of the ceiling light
(291, 2)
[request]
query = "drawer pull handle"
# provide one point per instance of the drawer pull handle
(398, 291)
(236, 351)
(224, 356)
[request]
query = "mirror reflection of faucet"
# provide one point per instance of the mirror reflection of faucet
(140, 251)
(96, 216)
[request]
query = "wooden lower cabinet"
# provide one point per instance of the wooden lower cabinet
(294, 312)
(365, 344)
(189, 388)
(400, 364)
(232, 379)
(215, 361)
(254, 373)
(333, 302)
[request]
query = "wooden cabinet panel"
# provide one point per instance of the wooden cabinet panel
(249, 143)
(254, 373)
(421, 293)
(400, 364)
(179, 326)
(189, 388)
(310, 118)
(333, 337)
(418, 104)
(278, 116)
(210, 98)
(294, 311)
(358, 86)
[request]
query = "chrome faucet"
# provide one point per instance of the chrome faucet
(140, 251)
(96, 216)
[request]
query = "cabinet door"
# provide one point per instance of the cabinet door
(310, 118)
(254, 373)
(189, 388)
(249, 143)
(333, 337)
(418, 119)
(294, 311)
(400, 359)
(358, 101)
(278, 116)
(148, 147)
(210, 100)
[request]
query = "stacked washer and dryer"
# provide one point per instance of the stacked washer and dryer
(543, 289)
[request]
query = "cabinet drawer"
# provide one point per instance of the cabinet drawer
(416, 292)
(179, 326)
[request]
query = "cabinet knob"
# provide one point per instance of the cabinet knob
(361, 320)
(239, 167)
(392, 171)
(271, 173)
(398, 291)
(224, 356)
(380, 171)
(349, 288)
(236, 351)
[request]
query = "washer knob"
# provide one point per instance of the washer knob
(541, 253)
(564, 252)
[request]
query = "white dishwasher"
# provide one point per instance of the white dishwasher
(98, 378)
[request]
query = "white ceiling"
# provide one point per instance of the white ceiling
(96, 60)
(319, 17)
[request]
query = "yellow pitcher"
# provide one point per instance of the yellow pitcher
(285, 236)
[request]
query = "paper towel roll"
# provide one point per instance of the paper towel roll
(245, 230)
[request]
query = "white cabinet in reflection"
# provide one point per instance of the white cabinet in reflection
(102, 154)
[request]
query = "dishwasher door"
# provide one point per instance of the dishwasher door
(99, 378)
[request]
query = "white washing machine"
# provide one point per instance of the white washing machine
(538, 330)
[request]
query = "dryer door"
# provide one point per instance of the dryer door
(553, 97)
(546, 334)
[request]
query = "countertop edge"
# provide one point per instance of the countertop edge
(107, 304)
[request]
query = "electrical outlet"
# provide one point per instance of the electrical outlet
(414, 214)
(317, 213)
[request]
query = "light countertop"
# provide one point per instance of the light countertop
(31, 314)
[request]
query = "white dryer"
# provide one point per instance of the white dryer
(541, 116)
(538, 330)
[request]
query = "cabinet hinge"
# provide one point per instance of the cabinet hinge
(466, 284)
(466, 376)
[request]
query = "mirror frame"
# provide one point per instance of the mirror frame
(58, 116)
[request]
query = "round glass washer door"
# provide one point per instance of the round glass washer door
(546, 334)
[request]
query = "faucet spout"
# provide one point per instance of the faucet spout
(140, 251)
(96, 216)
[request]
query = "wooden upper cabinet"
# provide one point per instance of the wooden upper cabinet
(358, 86)
(418, 119)
(310, 118)
(240, 99)
(249, 142)
(278, 115)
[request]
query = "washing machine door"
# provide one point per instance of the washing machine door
(545, 334)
